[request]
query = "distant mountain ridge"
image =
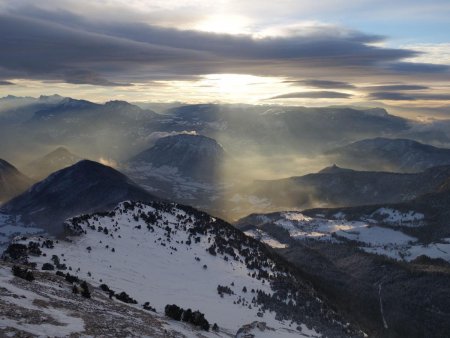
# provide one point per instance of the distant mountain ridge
(334, 186)
(57, 159)
(74, 108)
(264, 129)
(400, 155)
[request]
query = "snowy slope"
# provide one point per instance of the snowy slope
(47, 307)
(170, 254)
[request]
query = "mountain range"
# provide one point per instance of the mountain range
(243, 130)
(360, 248)
(399, 155)
(335, 186)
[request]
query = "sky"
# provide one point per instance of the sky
(393, 54)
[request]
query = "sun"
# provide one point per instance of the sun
(228, 24)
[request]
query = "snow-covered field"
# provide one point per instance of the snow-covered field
(369, 235)
(11, 226)
(151, 266)
(265, 238)
(398, 218)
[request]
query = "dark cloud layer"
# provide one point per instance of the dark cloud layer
(323, 84)
(62, 46)
(313, 95)
(419, 68)
(86, 76)
(396, 96)
(5, 83)
(396, 87)
(41, 50)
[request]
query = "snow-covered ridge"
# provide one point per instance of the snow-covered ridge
(171, 254)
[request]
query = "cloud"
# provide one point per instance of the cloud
(77, 49)
(418, 68)
(69, 48)
(6, 83)
(396, 87)
(156, 135)
(61, 53)
(89, 77)
(324, 84)
(437, 53)
(313, 95)
(396, 96)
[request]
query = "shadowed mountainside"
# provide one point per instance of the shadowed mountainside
(86, 186)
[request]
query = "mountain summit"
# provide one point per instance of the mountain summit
(84, 187)
(334, 169)
(194, 156)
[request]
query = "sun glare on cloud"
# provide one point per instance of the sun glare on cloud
(237, 87)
